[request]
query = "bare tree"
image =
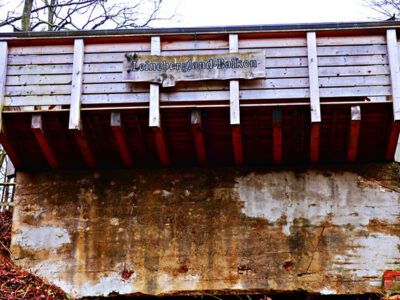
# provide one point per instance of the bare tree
(56, 15)
(386, 9)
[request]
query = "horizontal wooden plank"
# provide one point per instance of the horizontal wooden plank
(117, 47)
(352, 50)
(353, 70)
(352, 40)
(47, 59)
(209, 86)
(197, 96)
(337, 71)
(358, 91)
(40, 70)
(47, 49)
(38, 90)
(38, 79)
(272, 43)
(337, 81)
(328, 61)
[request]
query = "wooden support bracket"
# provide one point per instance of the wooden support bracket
(314, 144)
(120, 138)
(84, 147)
(355, 126)
(39, 132)
(161, 146)
(198, 136)
(393, 140)
(277, 136)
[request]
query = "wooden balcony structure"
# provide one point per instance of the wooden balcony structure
(331, 95)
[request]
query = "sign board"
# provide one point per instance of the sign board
(167, 70)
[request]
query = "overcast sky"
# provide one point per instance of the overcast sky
(242, 12)
(248, 12)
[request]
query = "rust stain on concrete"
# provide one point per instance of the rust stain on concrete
(187, 231)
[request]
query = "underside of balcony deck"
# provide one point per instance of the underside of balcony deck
(331, 94)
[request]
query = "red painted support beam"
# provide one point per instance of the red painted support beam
(161, 146)
(8, 147)
(120, 139)
(38, 131)
(314, 143)
(277, 136)
(393, 140)
(237, 144)
(83, 145)
(198, 136)
(355, 125)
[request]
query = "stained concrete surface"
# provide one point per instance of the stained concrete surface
(189, 231)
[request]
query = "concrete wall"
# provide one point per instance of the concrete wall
(187, 231)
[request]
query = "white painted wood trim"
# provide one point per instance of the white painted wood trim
(3, 77)
(393, 54)
(234, 95)
(76, 87)
(154, 105)
(313, 76)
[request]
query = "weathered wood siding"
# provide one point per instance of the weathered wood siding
(348, 66)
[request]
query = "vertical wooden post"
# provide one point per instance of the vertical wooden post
(4, 140)
(120, 139)
(198, 136)
(314, 96)
(277, 136)
(154, 111)
(39, 132)
(355, 125)
(393, 53)
(234, 98)
(75, 122)
(76, 87)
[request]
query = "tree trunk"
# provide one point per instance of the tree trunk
(26, 15)
(51, 13)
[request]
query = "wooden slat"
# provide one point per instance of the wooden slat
(154, 109)
(393, 141)
(234, 85)
(39, 132)
(120, 138)
(277, 136)
(351, 40)
(354, 134)
(76, 87)
(42, 50)
(234, 103)
(314, 143)
(45, 59)
(3, 77)
(198, 137)
(313, 75)
(394, 71)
